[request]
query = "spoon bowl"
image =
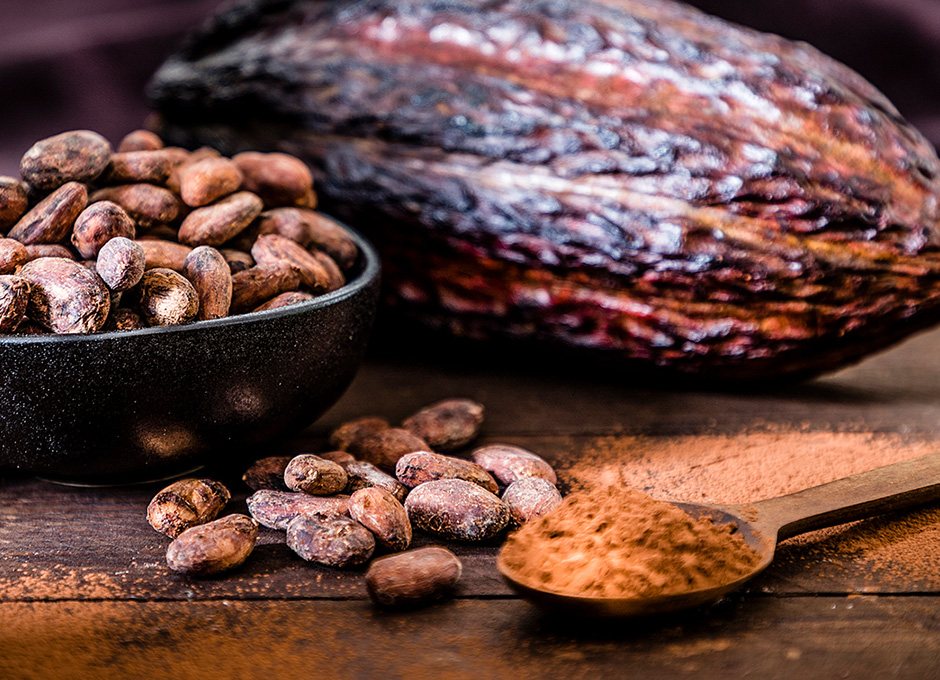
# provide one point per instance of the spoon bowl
(762, 525)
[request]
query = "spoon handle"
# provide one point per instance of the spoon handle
(867, 494)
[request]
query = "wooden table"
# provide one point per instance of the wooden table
(84, 590)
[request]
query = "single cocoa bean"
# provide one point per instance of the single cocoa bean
(413, 578)
(167, 298)
(124, 319)
(186, 503)
(214, 547)
(50, 220)
(14, 297)
(215, 224)
(285, 300)
(448, 424)
(340, 457)
(148, 204)
(333, 540)
(385, 447)
(285, 223)
(257, 285)
(336, 277)
(140, 140)
(65, 297)
(238, 260)
(164, 254)
(12, 255)
(271, 250)
(321, 231)
(276, 509)
(99, 223)
(530, 497)
(382, 514)
(314, 475)
(510, 463)
(456, 509)
(173, 183)
(420, 467)
(77, 156)
(353, 430)
(206, 180)
(363, 475)
(279, 179)
(37, 250)
(267, 473)
(151, 167)
(14, 201)
(121, 263)
(207, 270)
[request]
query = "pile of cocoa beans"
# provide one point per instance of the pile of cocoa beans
(366, 495)
(98, 240)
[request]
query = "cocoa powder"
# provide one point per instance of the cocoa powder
(616, 542)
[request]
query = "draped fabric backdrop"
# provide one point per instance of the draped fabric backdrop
(68, 64)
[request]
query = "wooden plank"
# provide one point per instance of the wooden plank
(894, 392)
(823, 637)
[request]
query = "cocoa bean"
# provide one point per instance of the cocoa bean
(413, 578)
(448, 424)
(140, 140)
(124, 319)
(186, 503)
(276, 509)
(530, 497)
(271, 250)
(279, 179)
(14, 297)
(147, 204)
(99, 223)
(456, 509)
(50, 220)
(207, 270)
(333, 540)
(206, 180)
(319, 231)
(336, 277)
(13, 201)
(215, 224)
(363, 475)
(213, 547)
(382, 514)
(77, 156)
(65, 297)
(286, 223)
(151, 167)
(253, 287)
(510, 463)
(164, 254)
(238, 260)
(353, 430)
(285, 300)
(167, 298)
(121, 263)
(12, 255)
(267, 473)
(384, 447)
(420, 467)
(314, 475)
(340, 457)
(37, 250)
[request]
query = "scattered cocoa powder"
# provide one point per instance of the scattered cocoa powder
(618, 542)
(747, 467)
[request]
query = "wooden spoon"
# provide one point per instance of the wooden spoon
(763, 524)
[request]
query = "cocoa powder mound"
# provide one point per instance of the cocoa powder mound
(617, 542)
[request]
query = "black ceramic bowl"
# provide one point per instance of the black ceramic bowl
(149, 404)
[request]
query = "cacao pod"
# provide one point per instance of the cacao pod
(630, 176)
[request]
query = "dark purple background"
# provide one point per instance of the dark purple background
(68, 64)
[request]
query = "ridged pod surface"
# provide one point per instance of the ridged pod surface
(633, 177)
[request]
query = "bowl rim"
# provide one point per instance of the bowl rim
(370, 273)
